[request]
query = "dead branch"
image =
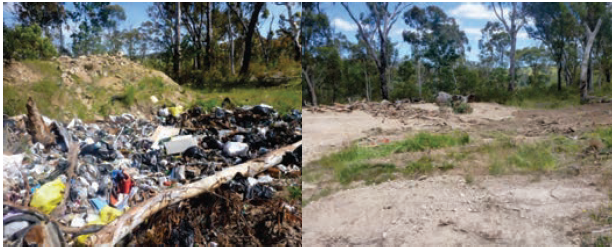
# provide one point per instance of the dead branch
(73, 154)
(36, 127)
(125, 224)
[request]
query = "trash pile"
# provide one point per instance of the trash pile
(66, 182)
(223, 218)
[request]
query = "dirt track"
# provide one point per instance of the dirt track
(442, 210)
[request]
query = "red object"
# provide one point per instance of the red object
(113, 199)
(126, 184)
(167, 183)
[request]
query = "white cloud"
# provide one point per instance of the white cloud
(397, 31)
(475, 11)
(344, 25)
(9, 6)
(472, 31)
(522, 35)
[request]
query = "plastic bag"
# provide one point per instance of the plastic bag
(108, 214)
(48, 196)
(176, 111)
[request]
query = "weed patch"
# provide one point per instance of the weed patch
(349, 164)
(371, 173)
(296, 192)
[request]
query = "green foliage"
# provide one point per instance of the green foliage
(206, 104)
(129, 96)
(22, 43)
(461, 108)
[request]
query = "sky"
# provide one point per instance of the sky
(136, 13)
(471, 17)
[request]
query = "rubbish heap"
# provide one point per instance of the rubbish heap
(71, 184)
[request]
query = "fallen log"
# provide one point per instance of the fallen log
(125, 224)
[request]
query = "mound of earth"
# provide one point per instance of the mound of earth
(87, 86)
(104, 70)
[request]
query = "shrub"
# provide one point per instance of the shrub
(462, 108)
(23, 43)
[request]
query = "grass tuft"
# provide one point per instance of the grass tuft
(349, 164)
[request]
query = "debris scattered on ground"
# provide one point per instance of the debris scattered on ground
(70, 181)
(400, 109)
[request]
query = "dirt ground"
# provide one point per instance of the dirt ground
(442, 210)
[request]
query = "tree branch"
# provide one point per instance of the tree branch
(361, 32)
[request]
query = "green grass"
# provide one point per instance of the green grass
(506, 156)
(296, 192)
(604, 134)
(424, 165)
(46, 69)
(371, 173)
(60, 102)
(534, 157)
(349, 164)
(541, 97)
(282, 98)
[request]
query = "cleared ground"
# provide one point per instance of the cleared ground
(447, 209)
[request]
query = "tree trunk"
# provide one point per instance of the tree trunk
(177, 55)
(384, 82)
(367, 84)
(62, 48)
(334, 94)
(559, 76)
(590, 73)
(312, 91)
(208, 38)
(419, 80)
(590, 38)
(232, 45)
(247, 53)
(512, 84)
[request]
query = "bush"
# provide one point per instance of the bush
(21, 43)
(461, 108)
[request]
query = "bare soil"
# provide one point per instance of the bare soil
(443, 210)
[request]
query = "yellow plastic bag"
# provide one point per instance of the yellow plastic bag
(176, 111)
(108, 214)
(48, 196)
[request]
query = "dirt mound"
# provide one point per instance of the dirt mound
(17, 72)
(87, 68)
(102, 70)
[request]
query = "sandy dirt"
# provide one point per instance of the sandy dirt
(443, 210)
(329, 130)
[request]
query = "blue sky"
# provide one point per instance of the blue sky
(472, 17)
(136, 13)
